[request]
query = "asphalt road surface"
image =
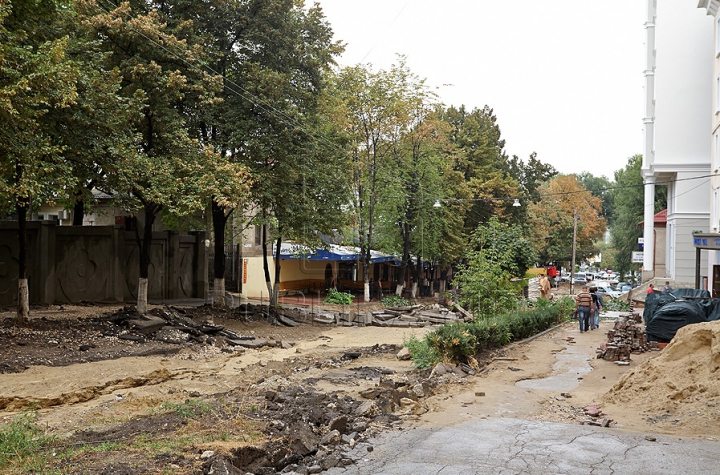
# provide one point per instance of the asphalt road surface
(512, 446)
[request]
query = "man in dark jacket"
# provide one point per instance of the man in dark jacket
(598, 302)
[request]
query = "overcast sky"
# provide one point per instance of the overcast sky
(564, 77)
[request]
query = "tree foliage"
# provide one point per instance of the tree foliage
(551, 220)
(629, 199)
(37, 79)
(166, 170)
(500, 252)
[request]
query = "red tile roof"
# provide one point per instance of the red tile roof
(659, 218)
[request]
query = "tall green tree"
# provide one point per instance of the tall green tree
(602, 188)
(167, 171)
(482, 161)
(531, 175)
(499, 252)
(629, 200)
(273, 56)
(379, 107)
(37, 78)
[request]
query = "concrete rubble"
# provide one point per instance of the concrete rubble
(173, 325)
(407, 316)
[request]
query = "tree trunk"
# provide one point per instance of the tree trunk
(443, 282)
(23, 310)
(266, 266)
(276, 286)
(144, 246)
(365, 261)
(219, 224)
(78, 213)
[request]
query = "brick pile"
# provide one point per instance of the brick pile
(626, 337)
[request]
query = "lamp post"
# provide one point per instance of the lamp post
(572, 265)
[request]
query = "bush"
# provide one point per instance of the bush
(457, 341)
(394, 300)
(337, 297)
(453, 342)
(423, 355)
(617, 305)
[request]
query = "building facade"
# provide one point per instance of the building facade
(712, 8)
(676, 151)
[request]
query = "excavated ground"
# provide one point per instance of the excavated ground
(125, 406)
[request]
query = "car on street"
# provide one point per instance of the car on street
(580, 278)
(610, 291)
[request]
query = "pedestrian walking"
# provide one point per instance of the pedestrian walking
(584, 305)
(598, 301)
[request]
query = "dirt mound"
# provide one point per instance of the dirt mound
(682, 380)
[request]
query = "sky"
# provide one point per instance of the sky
(563, 77)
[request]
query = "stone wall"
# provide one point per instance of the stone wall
(100, 264)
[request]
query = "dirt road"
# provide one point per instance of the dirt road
(241, 400)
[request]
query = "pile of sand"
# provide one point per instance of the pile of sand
(683, 378)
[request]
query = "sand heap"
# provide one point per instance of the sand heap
(684, 376)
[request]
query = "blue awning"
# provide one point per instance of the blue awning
(291, 251)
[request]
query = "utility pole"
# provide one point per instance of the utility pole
(572, 265)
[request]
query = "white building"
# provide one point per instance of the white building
(677, 150)
(713, 257)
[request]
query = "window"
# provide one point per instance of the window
(717, 94)
(716, 150)
(258, 235)
(717, 36)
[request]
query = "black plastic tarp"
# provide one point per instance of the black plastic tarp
(666, 313)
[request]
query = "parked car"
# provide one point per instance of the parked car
(580, 278)
(611, 292)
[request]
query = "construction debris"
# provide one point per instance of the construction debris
(626, 337)
(596, 417)
(174, 325)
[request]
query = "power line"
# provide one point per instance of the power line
(270, 110)
(242, 93)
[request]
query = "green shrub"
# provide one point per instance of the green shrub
(422, 354)
(617, 305)
(453, 342)
(394, 300)
(567, 307)
(337, 297)
(457, 341)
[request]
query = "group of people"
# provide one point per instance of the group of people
(666, 289)
(588, 305)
